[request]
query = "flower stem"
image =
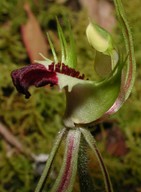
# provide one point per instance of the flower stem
(91, 142)
(45, 173)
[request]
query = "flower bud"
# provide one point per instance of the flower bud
(99, 39)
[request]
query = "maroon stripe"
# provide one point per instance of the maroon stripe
(68, 167)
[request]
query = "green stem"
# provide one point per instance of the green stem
(91, 142)
(66, 177)
(45, 173)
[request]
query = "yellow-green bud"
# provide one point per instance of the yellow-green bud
(99, 38)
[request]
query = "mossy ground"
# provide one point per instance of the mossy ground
(36, 121)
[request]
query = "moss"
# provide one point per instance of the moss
(35, 122)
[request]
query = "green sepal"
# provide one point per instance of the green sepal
(67, 174)
(92, 144)
(88, 102)
(50, 160)
(130, 69)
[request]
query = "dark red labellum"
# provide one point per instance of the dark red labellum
(38, 75)
(35, 74)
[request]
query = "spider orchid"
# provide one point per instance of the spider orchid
(87, 101)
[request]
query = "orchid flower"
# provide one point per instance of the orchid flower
(87, 101)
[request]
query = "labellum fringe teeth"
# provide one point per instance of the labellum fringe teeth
(39, 75)
(64, 69)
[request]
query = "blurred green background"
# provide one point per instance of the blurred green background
(28, 127)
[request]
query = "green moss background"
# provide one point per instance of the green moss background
(36, 121)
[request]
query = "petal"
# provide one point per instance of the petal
(128, 76)
(99, 38)
(35, 74)
(43, 74)
(125, 90)
(89, 102)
